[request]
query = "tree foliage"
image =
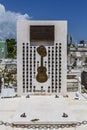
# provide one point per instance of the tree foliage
(82, 42)
(11, 47)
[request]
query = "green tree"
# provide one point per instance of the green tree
(82, 42)
(11, 47)
(9, 78)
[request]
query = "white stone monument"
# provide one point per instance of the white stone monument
(43, 71)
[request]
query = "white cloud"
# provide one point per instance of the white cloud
(8, 22)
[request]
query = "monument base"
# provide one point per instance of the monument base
(43, 110)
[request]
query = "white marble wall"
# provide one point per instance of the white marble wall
(60, 36)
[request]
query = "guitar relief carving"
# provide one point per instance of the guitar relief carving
(41, 75)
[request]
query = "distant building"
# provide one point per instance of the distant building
(77, 55)
(73, 81)
(3, 49)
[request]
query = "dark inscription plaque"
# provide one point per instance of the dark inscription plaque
(41, 33)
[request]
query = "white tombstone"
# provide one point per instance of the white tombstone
(7, 92)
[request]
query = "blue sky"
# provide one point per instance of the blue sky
(74, 11)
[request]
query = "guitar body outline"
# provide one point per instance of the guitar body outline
(41, 75)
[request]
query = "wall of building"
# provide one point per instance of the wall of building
(77, 56)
